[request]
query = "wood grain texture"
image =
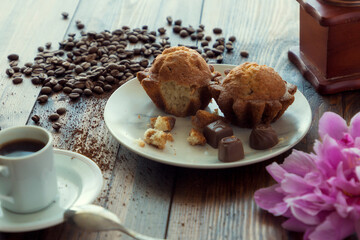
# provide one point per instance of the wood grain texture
(24, 27)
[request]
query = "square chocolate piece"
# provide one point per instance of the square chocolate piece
(230, 149)
(215, 131)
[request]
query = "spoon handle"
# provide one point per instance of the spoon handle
(134, 234)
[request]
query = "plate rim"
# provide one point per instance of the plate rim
(25, 227)
(219, 165)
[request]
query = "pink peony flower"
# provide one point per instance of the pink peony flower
(319, 192)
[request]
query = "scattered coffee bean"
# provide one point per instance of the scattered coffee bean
(176, 29)
(161, 30)
(193, 36)
(35, 118)
(65, 15)
(200, 36)
(169, 20)
(217, 30)
(229, 47)
(43, 98)
(61, 111)
(54, 117)
(17, 80)
(48, 45)
(13, 57)
(35, 80)
(40, 49)
(232, 38)
(80, 25)
(219, 59)
(244, 54)
(178, 22)
(88, 92)
(210, 54)
(202, 26)
(184, 33)
(208, 38)
(56, 126)
(98, 90)
(74, 96)
(46, 90)
(9, 72)
(204, 43)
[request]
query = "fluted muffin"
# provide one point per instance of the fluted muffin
(177, 82)
(253, 94)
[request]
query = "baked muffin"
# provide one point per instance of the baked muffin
(253, 94)
(177, 82)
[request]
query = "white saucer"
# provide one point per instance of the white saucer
(79, 182)
(129, 109)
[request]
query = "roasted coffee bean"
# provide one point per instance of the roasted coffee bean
(98, 90)
(200, 36)
(169, 20)
(190, 30)
(28, 64)
(61, 111)
(56, 126)
(17, 80)
(219, 59)
(65, 15)
(58, 87)
(88, 92)
(107, 87)
(144, 63)
(221, 48)
(161, 30)
(28, 71)
(13, 57)
(35, 80)
(43, 98)
(54, 117)
(202, 26)
(208, 38)
(177, 29)
(145, 27)
(46, 90)
(9, 72)
(17, 74)
(79, 69)
(40, 49)
(184, 33)
(133, 39)
(147, 53)
(199, 51)
(204, 43)
(80, 25)
(210, 54)
(178, 22)
(67, 90)
(232, 38)
(77, 90)
(193, 36)
(216, 51)
(35, 118)
(244, 54)
(74, 96)
(48, 45)
(229, 47)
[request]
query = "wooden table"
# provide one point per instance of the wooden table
(152, 198)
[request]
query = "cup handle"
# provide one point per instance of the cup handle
(4, 171)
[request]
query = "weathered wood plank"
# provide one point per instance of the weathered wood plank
(219, 204)
(136, 189)
(24, 27)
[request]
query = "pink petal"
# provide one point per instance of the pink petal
(332, 124)
(293, 184)
(270, 200)
(292, 224)
(299, 163)
(276, 171)
(333, 228)
(354, 128)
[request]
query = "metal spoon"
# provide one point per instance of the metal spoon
(95, 218)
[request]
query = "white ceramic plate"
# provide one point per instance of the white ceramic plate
(129, 109)
(79, 182)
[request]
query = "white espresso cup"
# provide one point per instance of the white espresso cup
(28, 180)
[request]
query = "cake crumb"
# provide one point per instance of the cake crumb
(157, 138)
(165, 123)
(196, 138)
(140, 142)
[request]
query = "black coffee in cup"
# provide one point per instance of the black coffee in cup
(20, 147)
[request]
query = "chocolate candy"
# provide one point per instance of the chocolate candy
(230, 149)
(215, 131)
(263, 137)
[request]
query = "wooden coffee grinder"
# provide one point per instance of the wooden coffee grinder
(329, 52)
